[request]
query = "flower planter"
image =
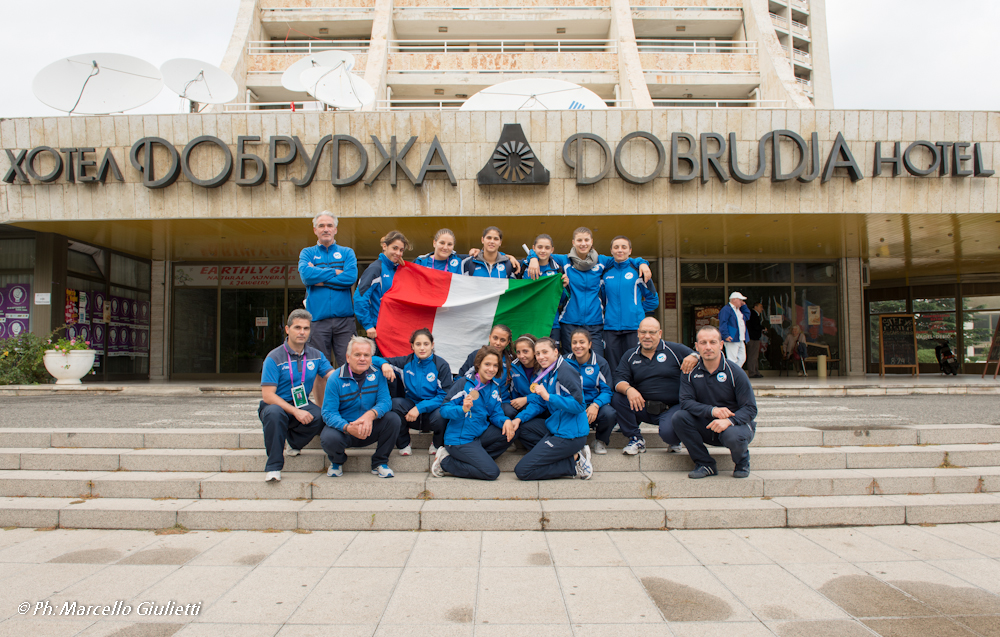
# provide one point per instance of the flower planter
(69, 368)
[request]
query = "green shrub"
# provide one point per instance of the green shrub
(21, 360)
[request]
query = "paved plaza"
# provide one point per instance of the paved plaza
(935, 581)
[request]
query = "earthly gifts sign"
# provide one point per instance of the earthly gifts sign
(512, 161)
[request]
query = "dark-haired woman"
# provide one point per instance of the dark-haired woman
(491, 263)
(377, 279)
(500, 339)
(427, 381)
(472, 410)
(557, 447)
(627, 298)
(444, 257)
(595, 374)
(542, 249)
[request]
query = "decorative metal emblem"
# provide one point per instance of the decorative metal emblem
(513, 162)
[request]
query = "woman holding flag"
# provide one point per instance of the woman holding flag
(444, 257)
(377, 279)
(557, 447)
(546, 267)
(473, 409)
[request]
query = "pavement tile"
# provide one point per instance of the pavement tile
(10, 536)
(36, 583)
(621, 630)
(379, 549)
(348, 596)
(323, 630)
(515, 548)
(265, 595)
(118, 545)
(360, 515)
(720, 629)
(691, 594)
(983, 572)
(115, 582)
(903, 627)
(228, 630)
(318, 548)
(523, 630)
(409, 630)
(852, 545)
(38, 546)
(785, 546)
(584, 549)
(519, 595)
(602, 514)
(50, 627)
(483, 515)
(605, 595)
(171, 547)
(195, 584)
(771, 592)
(453, 600)
(242, 549)
(857, 591)
(722, 513)
(919, 543)
(454, 550)
(970, 536)
(719, 547)
(651, 548)
(820, 628)
(935, 588)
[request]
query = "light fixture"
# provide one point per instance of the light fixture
(442, 29)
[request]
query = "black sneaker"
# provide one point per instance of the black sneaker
(742, 471)
(702, 472)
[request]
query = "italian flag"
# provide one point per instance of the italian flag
(461, 310)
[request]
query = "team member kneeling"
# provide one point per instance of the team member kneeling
(717, 407)
(557, 446)
(474, 415)
(285, 410)
(357, 411)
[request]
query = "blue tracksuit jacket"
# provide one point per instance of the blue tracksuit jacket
(627, 298)
(486, 411)
(345, 400)
(375, 281)
(595, 375)
(333, 298)
(568, 418)
(549, 269)
(520, 380)
(452, 264)
(728, 386)
(584, 306)
(427, 381)
(728, 324)
(468, 370)
(475, 266)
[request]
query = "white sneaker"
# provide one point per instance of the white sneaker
(406, 451)
(634, 446)
(334, 470)
(291, 451)
(272, 476)
(436, 470)
(584, 468)
(433, 450)
(600, 448)
(673, 448)
(383, 471)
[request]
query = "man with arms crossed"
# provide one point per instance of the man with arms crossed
(289, 373)
(717, 408)
(328, 271)
(647, 383)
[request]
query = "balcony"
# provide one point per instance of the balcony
(344, 21)
(299, 48)
(802, 58)
(669, 82)
(805, 85)
(475, 22)
(265, 68)
(503, 46)
(720, 21)
(696, 47)
(695, 103)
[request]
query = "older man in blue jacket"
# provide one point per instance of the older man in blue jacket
(733, 328)
(717, 408)
(357, 411)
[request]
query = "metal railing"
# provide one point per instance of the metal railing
(696, 46)
(700, 72)
(801, 4)
(295, 12)
(800, 26)
(251, 107)
(586, 72)
(779, 21)
(419, 105)
(803, 81)
(305, 47)
(696, 103)
(802, 56)
(638, 8)
(507, 9)
(503, 46)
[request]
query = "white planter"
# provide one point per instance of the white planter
(69, 368)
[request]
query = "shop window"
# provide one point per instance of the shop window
(977, 330)
(815, 272)
(934, 328)
(703, 272)
(887, 307)
(129, 272)
(699, 306)
(85, 259)
(194, 333)
(981, 303)
(17, 254)
(816, 312)
(760, 273)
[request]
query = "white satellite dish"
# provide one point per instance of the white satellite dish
(330, 59)
(97, 83)
(535, 94)
(199, 81)
(337, 88)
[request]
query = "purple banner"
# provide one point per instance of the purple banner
(97, 308)
(116, 309)
(143, 313)
(97, 336)
(133, 313)
(15, 308)
(142, 342)
(113, 336)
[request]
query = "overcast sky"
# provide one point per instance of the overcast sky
(885, 54)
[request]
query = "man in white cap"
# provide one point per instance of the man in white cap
(733, 327)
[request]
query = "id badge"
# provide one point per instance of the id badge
(299, 397)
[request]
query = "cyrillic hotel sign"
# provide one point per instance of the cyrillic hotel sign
(512, 162)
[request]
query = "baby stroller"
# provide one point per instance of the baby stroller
(946, 358)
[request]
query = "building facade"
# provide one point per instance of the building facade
(186, 229)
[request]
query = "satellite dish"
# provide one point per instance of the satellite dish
(337, 87)
(199, 81)
(97, 83)
(535, 94)
(330, 59)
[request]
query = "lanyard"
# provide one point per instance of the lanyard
(544, 373)
(302, 370)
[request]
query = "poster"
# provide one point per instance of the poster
(97, 336)
(143, 313)
(70, 315)
(815, 316)
(98, 309)
(15, 309)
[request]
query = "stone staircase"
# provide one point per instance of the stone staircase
(211, 478)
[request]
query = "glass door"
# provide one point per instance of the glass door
(251, 326)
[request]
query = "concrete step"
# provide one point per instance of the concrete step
(472, 515)
(774, 435)
(359, 460)
(621, 485)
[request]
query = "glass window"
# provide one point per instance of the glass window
(760, 273)
(83, 264)
(251, 327)
(886, 307)
(981, 303)
(977, 329)
(194, 330)
(933, 328)
(702, 272)
(815, 272)
(876, 343)
(931, 305)
(130, 272)
(816, 311)
(699, 305)
(17, 254)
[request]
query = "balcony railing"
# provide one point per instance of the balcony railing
(800, 26)
(696, 103)
(802, 56)
(585, 72)
(696, 46)
(305, 47)
(280, 14)
(800, 4)
(700, 72)
(779, 21)
(506, 9)
(251, 107)
(503, 46)
(680, 10)
(450, 105)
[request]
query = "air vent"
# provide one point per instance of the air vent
(681, 29)
(442, 29)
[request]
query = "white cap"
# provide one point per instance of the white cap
(737, 295)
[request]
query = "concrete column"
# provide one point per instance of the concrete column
(819, 49)
(630, 76)
(852, 295)
(377, 66)
(49, 277)
(159, 321)
(670, 320)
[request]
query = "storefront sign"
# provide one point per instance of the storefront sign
(268, 276)
(707, 156)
